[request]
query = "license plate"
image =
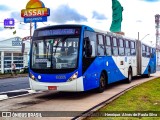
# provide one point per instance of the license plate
(52, 87)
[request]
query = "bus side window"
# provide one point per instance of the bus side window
(121, 47)
(143, 51)
(92, 37)
(108, 45)
(147, 52)
(151, 52)
(133, 51)
(114, 46)
(127, 48)
(100, 46)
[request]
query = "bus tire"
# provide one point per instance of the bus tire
(129, 79)
(102, 83)
(149, 73)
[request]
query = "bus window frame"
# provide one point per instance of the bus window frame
(129, 53)
(119, 47)
(105, 43)
(114, 46)
(104, 49)
(133, 48)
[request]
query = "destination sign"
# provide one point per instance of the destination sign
(56, 32)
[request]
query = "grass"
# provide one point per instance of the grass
(145, 97)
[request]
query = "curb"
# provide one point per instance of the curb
(13, 94)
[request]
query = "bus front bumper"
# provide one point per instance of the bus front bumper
(75, 85)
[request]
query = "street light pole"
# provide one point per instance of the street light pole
(144, 37)
(138, 35)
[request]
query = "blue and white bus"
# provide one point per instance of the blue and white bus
(80, 58)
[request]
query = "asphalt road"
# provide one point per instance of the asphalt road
(10, 84)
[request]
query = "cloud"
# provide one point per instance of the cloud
(16, 15)
(64, 14)
(4, 8)
(98, 16)
(1, 28)
(151, 0)
(139, 21)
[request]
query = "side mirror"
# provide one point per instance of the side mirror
(87, 47)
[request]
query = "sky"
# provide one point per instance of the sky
(138, 16)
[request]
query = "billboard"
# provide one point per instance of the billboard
(35, 12)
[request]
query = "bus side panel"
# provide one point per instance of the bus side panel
(93, 72)
(115, 68)
(91, 75)
(152, 64)
(145, 64)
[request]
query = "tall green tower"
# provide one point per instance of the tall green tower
(117, 10)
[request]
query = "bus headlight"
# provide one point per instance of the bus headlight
(73, 77)
(32, 76)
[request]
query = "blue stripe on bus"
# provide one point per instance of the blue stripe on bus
(152, 64)
(92, 74)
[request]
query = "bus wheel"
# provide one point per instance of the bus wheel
(129, 79)
(149, 73)
(102, 83)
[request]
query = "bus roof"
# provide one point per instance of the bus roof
(86, 28)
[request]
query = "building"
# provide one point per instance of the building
(10, 52)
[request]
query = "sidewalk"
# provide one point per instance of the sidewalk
(3, 76)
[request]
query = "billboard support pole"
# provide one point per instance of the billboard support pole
(35, 25)
(30, 31)
(30, 28)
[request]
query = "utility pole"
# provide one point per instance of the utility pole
(31, 29)
(30, 33)
(157, 22)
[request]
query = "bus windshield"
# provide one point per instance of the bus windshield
(55, 53)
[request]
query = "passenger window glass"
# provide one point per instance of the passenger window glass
(100, 39)
(115, 51)
(143, 50)
(108, 50)
(127, 44)
(108, 41)
(92, 37)
(127, 51)
(121, 51)
(114, 42)
(121, 44)
(100, 46)
(132, 45)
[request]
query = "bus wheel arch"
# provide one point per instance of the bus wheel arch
(103, 81)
